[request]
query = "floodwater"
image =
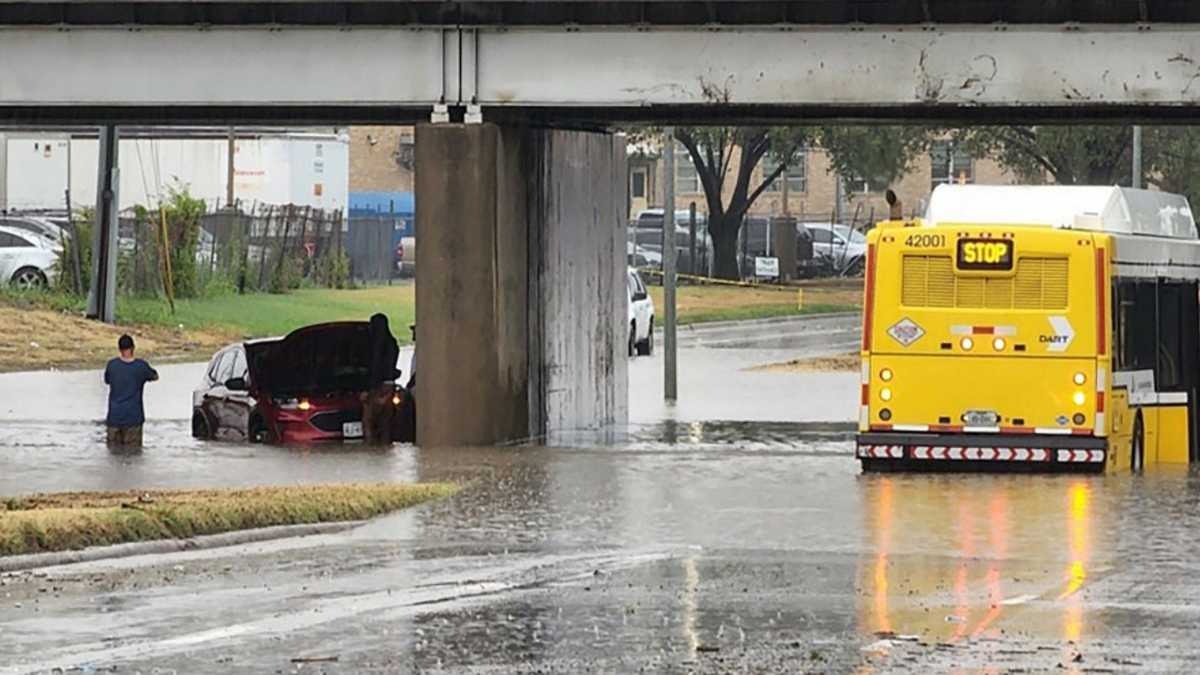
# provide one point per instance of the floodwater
(683, 545)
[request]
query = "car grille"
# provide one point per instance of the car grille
(332, 421)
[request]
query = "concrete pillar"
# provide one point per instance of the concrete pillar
(521, 286)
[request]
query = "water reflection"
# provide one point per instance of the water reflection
(968, 557)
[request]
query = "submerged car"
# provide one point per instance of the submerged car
(303, 388)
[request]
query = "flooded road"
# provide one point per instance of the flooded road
(679, 545)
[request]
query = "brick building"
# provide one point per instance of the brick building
(812, 187)
(381, 162)
(381, 159)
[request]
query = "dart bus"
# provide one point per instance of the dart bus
(1032, 327)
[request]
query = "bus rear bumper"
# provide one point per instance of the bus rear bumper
(885, 451)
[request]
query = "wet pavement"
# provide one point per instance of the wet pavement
(679, 546)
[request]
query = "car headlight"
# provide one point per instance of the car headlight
(293, 404)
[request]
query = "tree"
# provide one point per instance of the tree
(712, 151)
(877, 155)
(1171, 159)
(1072, 155)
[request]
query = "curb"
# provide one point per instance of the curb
(30, 561)
(801, 318)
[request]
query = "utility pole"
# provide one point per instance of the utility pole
(787, 207)
(670, 381)
(229, 172)
(102, 298)
(1137, 156)
(3, 173)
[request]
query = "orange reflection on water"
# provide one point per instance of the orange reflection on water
(883, 546)
(961, 560)
(1079, 542)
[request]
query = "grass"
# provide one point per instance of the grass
(699, 304)
(263, 315)
(32, 339)
(43, 330)
(40, 330)
(76, 520)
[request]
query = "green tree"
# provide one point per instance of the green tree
(182, 213)
(878, 155)
(1171, 159)
(1071, 155)
(718, 152)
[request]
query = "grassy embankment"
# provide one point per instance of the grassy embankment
(699, 304)
(43, 330)
(76, 520)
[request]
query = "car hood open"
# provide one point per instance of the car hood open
(322, 358)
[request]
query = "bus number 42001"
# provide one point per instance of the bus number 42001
(925, 240)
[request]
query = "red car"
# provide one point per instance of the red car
(303, 388)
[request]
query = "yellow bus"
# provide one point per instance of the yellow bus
(1032, 327)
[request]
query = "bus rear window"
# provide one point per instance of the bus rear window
(931, 281)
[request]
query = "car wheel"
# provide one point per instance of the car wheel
(646, 347)
(200, 426)
(633, 339)
(29, 278)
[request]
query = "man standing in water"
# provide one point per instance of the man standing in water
(126, 376)
(378, 407)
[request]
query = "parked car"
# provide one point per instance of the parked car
(640, 256)
(840, 246)
(42, 227)
(647, 232)
(26, 259)
(641, 316)
(302, 388)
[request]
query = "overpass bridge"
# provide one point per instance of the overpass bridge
(592, 63)
(521, 187)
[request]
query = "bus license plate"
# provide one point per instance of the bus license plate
(981, 418)
(352, 429)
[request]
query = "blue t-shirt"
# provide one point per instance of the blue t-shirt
(125, 382)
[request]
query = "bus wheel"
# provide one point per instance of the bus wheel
(1137, 447)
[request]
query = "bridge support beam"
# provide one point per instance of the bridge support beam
(521, 283)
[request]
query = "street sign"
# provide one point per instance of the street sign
(766, 267)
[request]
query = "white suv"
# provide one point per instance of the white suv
(841, 246)
(26, 259)
(641, 316)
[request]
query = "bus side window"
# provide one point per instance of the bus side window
(1136, 325)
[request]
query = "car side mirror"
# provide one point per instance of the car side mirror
(638, 297)
(236, 384)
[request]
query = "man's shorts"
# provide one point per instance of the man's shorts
(125, 437)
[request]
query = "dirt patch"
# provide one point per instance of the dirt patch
(36, 339)
(842, 363)
(75, 520)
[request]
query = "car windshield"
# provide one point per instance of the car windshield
(854, 236)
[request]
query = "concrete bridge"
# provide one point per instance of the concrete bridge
(521, 185)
